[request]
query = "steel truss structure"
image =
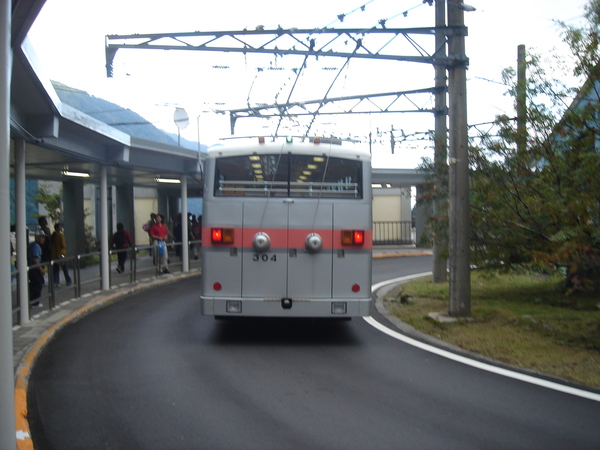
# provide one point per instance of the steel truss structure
(372, 43)
(354, 104)
(305, 42)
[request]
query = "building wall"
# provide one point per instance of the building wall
(391, 205)
(144, 206)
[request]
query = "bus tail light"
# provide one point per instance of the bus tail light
(353, 237)
(221, 235)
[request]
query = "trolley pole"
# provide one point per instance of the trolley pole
(460, 258)
(441, 143)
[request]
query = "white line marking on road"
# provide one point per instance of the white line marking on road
(471, 362)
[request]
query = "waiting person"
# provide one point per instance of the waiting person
(159, 233)
(36, 274)
(178, 235)
(119, 241)
(147, 226)
(58, 250)
(197, 233)
(43, 223)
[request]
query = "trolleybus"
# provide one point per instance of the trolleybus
(286, 230)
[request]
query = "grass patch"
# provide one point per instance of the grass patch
(519, 319)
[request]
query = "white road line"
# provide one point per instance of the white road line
(471, 362)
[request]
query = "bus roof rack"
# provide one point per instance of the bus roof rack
(301, 138)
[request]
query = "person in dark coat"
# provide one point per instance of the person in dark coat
(36, 274)
(46, 253)
(119, 241)
(58, 250)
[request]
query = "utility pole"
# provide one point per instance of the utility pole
(460, 258)
(521, 100)
(441, 142)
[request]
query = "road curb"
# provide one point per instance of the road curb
(417, 335)
(23, 436)
(398, 255)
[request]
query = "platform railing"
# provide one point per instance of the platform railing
(393, 233)
(86, 274)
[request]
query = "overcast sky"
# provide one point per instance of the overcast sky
(69, 37)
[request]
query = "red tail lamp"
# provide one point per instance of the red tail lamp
(221, 235)
(353, 237)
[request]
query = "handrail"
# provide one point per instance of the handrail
(86, 274)
(393, 233)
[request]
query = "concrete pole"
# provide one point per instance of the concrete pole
(73, 206)
(460, 229)
(7, 380)
(185, 246)
(104, 256)
(521, 100)
(21, 229)
(440, 262)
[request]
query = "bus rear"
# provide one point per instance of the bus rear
(287, 231)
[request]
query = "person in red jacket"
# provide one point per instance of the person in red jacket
(159, 233)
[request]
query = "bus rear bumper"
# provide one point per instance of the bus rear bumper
(254, 307)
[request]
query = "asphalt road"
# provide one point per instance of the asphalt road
(150, 372)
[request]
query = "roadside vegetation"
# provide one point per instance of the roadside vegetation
(534, 183)
(519, 319)
(534, 221)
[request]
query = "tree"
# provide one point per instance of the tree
(540, 206)
(52, 202)
(584, 42)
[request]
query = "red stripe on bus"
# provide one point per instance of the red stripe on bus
(285, 238)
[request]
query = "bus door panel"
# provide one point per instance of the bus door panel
(223, 264)
(264, 272)
(352, 265)
(309, 271)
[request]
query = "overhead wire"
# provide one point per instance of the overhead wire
(302, 69)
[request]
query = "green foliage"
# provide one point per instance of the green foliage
(538, 205)
(51, 201)
(91, 241)
(584, 42)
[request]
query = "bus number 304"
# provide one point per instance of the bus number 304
(263, 257)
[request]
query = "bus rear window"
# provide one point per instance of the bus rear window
(288, 175)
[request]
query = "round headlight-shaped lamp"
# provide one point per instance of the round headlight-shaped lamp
(313, 243)
(261, 242)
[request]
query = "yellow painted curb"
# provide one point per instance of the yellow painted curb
(23, 436)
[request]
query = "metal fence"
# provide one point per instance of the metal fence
(393, 233)
(86, 275)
